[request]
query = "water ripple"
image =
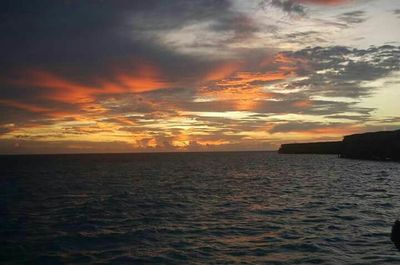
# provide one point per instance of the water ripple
(204, 208)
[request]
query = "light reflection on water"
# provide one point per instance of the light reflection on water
(249, 207)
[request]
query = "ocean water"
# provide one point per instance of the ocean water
(197, 208)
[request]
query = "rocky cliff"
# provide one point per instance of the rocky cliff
(372, 146)
(311, 148)
(383, 145)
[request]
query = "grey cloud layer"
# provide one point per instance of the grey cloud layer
(341, 71)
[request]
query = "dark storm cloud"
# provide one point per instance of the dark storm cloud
(87, 36)
(48, 31)
(87, 41)
(241, 25)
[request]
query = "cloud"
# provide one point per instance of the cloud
(302, 37)
(322, 2)
(288, 6)
(299, 6)
(90, 35)
(312, 127)
(353, 17)
(341, 72)
(363, 118)
(314, 81)
(396, 12)
(182, 75)
(56, 88)
(24, 106)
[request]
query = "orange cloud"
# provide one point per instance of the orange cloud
(244, 90)
(146, 78)
(212, 142)
(303, 104)
(340, 131)
(279, 59)
(330, 130)
(125, 121)
(239, 91)
(57, 88)
(244, 79)
(233, 93)
(284, 64)
(246, 105)
(241, 99)
(48, 112)
(222, 71)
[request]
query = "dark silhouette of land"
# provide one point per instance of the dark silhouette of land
(383, 145)
(312, 148)
(395, 235)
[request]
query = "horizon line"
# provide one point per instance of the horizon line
(127, 153)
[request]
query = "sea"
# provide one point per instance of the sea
(197, 208)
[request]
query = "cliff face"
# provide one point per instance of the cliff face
(372, 146)
(311, 148)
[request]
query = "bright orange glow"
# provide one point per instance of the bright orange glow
(233, 93)
(59, 89)
(242, 99)
(93, 108)
(125, 121)
(222, 71)
(246, 105)
(245, 78)
(242, 90)
(147, 78)
(303, 104)
(212, 142)
(342, 130)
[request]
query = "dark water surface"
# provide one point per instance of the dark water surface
(197, 208)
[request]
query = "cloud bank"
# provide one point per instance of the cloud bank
(126, 76)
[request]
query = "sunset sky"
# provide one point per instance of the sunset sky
(210, 75)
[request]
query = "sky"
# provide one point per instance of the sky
(200, 75)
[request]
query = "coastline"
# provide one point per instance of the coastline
(380, 146)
